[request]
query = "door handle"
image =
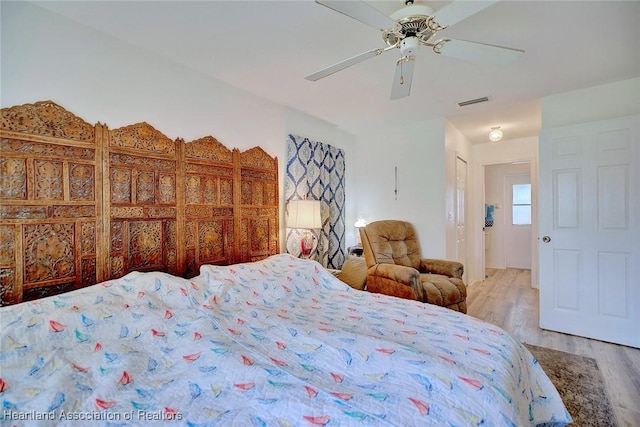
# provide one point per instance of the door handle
(546, 239)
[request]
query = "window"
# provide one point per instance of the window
(521, 204)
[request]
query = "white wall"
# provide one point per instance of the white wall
(418, 152)
(603, 102)
(505, 151)
(99, 78)
(495, 240)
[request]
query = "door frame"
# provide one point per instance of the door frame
(478, 222)
(456, 208)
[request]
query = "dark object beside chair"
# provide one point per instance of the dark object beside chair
(395, 267)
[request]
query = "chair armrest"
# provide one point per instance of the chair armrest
(335, 272)
(394, 280)
(440, 266)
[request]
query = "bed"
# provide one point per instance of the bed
(277, 342)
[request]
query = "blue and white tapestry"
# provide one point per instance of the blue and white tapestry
(316, 171)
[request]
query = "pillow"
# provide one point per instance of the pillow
(354, 272)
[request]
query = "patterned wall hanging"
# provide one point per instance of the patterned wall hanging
(316, 171)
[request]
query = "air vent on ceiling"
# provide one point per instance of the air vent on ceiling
(473, 101)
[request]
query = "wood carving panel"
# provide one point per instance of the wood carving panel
(271, 193)
(117, 237)
(13, 179)
(66, 211)
(190, 234)
(145, 245)
(191, 268)
(171, 244)
(49, 162)
(7, 286)
(40, 149)
(211, 169)
(210, 190)
(117, 266)
(256, 157)
(7, 244)
(48, 180)
(247, 190)
(48, 252)
(81, 182)
(257, 193)
(88, 238)
(138, 162)
(145, 186)
(82, 204)
(171, 235)
(227, 195)
(88, 271)
(208, 148)
(46, 118)
(167, 188)
(45, 291)
(143, 137)
(120, 185)
(172, 261)
(192, 190)
(127, 212)
(161, 212)
(23, 212)
(259, 230)
(211, 240)
(259, 211)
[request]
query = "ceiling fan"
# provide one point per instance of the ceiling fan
(412, 26)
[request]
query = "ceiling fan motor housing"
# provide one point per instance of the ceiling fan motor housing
(409, 46)
(415, 26)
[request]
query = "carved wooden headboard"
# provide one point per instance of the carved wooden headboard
(80, 204)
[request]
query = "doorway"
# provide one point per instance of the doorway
(508, 234)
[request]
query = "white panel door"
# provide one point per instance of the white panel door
(590, 230)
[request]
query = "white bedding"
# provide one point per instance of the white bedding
(277, 342)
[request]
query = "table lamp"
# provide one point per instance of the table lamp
(304, 215)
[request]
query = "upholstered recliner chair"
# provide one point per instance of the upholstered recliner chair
(395, 267)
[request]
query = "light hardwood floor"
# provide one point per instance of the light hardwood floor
(506, 299)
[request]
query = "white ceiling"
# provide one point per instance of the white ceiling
(267, 47)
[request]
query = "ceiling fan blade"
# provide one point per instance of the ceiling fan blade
(477, 52)
(345, 64)
(460, 10)
(403, 77)
(362, 12)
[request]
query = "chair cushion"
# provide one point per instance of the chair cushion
(354, 272)
(443, 290)
(392, 242)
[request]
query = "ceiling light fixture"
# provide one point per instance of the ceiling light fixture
(496, 134)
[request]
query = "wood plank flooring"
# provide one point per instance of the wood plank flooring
(506, 299)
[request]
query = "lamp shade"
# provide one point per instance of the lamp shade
(361, 222)
(303, 214)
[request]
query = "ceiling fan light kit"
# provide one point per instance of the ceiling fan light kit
(412, 26)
